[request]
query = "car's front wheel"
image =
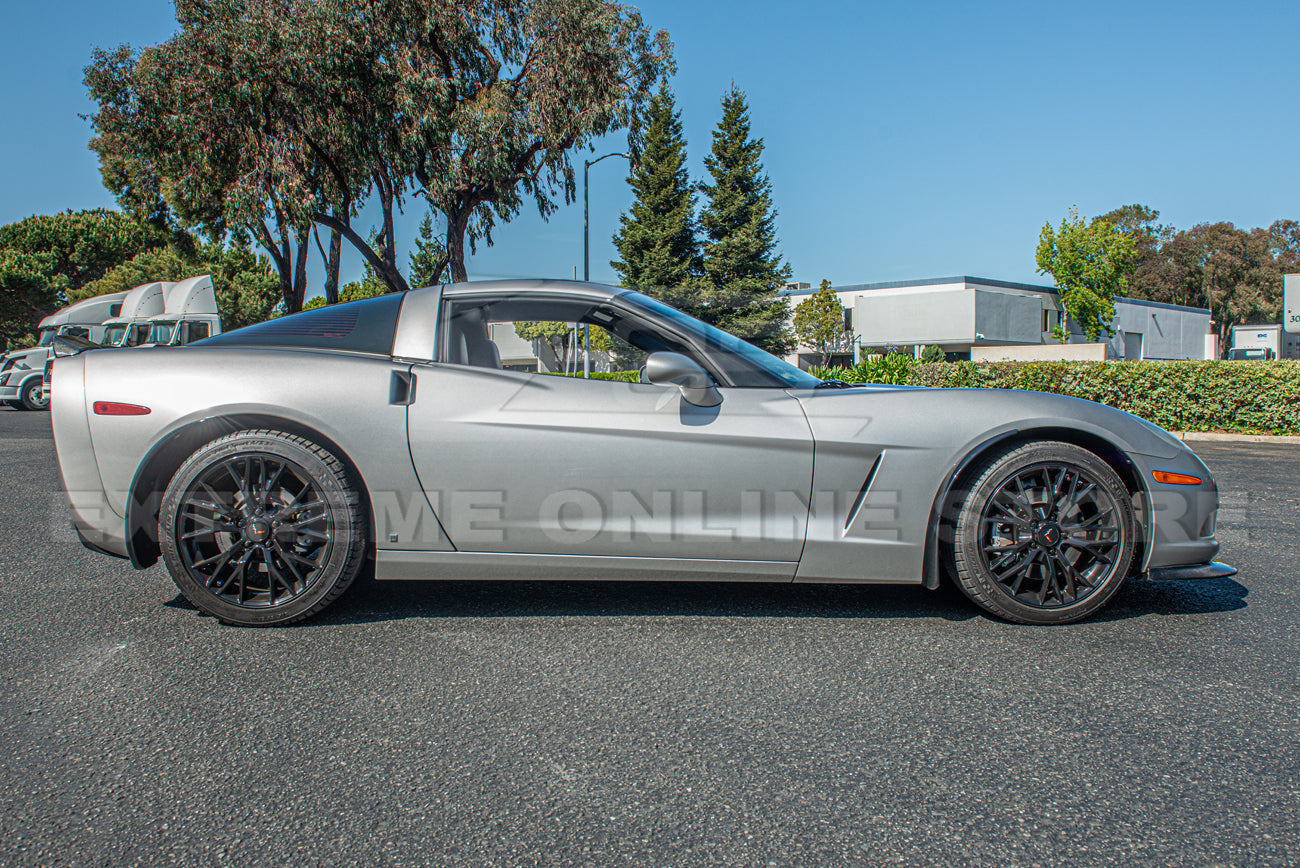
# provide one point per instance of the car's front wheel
(262, 527)
(1045, 534)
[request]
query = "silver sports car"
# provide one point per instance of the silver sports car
(501, 431)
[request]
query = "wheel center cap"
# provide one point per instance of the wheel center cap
(258, 530)
(1048, 535)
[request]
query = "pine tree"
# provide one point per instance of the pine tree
(742, 271)
(657, 238)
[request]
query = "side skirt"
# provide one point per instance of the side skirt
(493, 566)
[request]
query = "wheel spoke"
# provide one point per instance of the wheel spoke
(210, 526)
(292, 569)
(291, 555)
(240, 482)
(1091, 523)
(219, 559)
(276, 577)
(1023, 573)
(304, 522)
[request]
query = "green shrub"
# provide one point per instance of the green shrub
(892, 369)
(933, 354)
(836, 372)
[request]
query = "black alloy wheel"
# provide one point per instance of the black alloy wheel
(1045, 535)
(262, 527)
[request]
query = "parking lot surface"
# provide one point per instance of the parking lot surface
(605, 724)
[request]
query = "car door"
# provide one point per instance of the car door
(527, 462)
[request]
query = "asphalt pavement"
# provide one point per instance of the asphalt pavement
(609, 724)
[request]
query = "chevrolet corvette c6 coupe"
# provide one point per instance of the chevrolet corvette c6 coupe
(543, 429)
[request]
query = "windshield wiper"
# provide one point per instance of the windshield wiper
(833, 384)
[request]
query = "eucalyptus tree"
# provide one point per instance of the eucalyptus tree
(268, 117)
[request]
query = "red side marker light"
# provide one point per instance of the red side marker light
(112, 408)
(1175, 478)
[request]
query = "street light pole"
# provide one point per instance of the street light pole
(586, 253)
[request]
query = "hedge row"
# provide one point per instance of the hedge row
(618, 376)
(1257, 397)
(1248, 397)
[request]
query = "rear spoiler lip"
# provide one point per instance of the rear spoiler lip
(71, 345)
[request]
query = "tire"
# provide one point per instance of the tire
(1045, 534)
(31, 395)
(261, 528)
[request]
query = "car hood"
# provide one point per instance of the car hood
(959, 416)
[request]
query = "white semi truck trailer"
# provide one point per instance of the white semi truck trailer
(21, 371)
(163, 313)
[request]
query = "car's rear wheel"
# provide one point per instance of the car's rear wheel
(262, 527)
(32, 395)
(1045, 534)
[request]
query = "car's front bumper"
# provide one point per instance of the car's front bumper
(1212, 570)
(1182, 518)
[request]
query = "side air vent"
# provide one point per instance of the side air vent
(862, 493)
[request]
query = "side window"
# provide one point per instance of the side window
(550, 336)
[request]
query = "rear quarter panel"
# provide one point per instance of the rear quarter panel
(347, 398)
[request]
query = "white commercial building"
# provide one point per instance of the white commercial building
(962, 313)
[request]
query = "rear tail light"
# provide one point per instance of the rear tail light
(112, 408)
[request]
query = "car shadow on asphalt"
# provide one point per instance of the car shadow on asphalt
(370, 601)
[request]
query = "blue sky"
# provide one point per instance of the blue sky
(903, 140)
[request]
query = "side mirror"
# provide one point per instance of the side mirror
(674, 369)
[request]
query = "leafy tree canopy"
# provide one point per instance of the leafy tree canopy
(429, 258)
(819, 322)
(1090, 263)
(263, 117)
(46, 259)
(1235, 273)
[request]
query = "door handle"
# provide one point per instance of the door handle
(402, 389)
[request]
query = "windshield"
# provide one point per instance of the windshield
(739, 361)
(47, 338)
(162, 333)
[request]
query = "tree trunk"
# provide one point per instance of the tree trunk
(388, 273)
(457, 225)
(300, 271)
(332, 268)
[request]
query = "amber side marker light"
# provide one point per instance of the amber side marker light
(111, 408)
(1175, 478)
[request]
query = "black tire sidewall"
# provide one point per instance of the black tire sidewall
(347, 530)
(974, 578)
